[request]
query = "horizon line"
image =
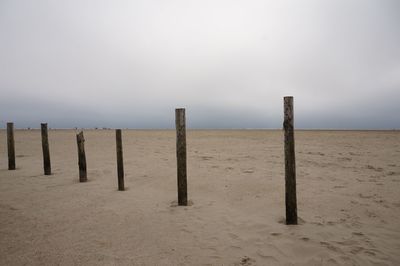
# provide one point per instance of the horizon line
(216, 129)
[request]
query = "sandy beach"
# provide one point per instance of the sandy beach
(348, 187)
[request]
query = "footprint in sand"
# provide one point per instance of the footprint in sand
(348, 242)
(276, 234)
(330, 246)
(339, 187)
(209, 248)
(246, 261)
(370, 214)
(9, 207)
(377, 169)
(365, 196)
(382, 202)
(344, 159)
(263, 254)
(356, 250)
(316, 153)
(369, 252)
(248, 171)
(186, 230)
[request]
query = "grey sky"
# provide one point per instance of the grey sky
(130, 63)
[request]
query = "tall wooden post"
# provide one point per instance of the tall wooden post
(10, 146)
(45, 148)
(120, 160)
(290, 163)
(181, 155)
(81, 157)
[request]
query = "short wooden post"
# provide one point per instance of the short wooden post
(120, 160)
(10, 146)
(45, 148)
(181, 155)
(81, 157)
(290, 163)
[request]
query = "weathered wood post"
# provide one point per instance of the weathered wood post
(10, 146)
(181, 155)
(120, 160)
(81, 157)
(45, 148)
(290, 163)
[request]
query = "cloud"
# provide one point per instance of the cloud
(130, 63)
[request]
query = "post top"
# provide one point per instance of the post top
(80, 137)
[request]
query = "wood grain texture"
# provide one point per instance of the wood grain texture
(81, 157)
(11, 146)
(290, 162)
(180, 124)
(45, 149)
(120, 160)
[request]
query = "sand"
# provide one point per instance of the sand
(348, 200)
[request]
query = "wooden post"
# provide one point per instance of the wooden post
(45, 148)
(11, 146)
(290, 163)
(120, 160)
(181, 155)
(81, 157)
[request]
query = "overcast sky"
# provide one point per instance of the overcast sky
(229, 63)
